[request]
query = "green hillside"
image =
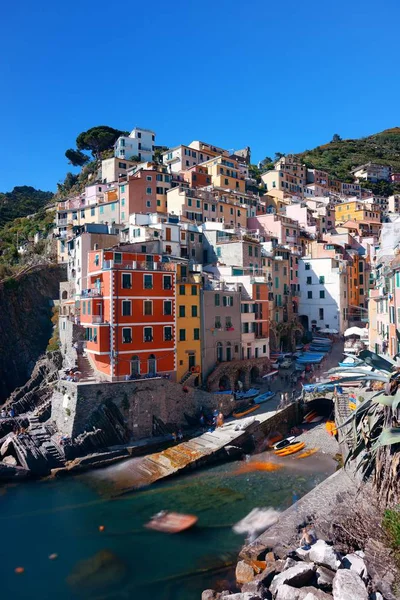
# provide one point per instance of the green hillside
(22, 201)
(340, 157)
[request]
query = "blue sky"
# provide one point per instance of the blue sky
(275, 76)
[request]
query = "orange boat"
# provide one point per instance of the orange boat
(290, 449)
(171, 522)
(309, 416)
(245, 412)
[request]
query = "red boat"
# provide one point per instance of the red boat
(171, 522)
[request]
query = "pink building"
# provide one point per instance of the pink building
(395, 177)
(278, 226)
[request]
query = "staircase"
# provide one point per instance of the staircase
(189, 378)
(41, 436)
(86, 369)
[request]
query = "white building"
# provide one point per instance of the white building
(372, 172)
(140, 143)
(113, 168)
(323, 293)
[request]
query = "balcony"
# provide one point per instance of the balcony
(91, 293)
(139, 266)
(98, 319)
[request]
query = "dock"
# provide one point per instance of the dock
(220, 444)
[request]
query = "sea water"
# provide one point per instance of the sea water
(125, 560)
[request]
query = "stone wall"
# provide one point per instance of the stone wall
(138, 401)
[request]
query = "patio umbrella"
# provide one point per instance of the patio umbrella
(361, 331)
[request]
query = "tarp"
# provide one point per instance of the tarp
(361, 331)
(328, 330)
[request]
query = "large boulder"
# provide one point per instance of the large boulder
(243, 596)
(210, 595)
(244, 572)
(347, 585)
(324, 578)
(296, 576)
(355, 563)
(323, 554)
(287, 592)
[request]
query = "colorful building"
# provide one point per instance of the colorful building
(129, 314)
(188, 324)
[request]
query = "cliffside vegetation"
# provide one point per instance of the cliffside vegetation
(22, 201)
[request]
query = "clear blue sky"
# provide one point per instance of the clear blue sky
(275, 76)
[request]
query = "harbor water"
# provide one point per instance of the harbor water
(105, 553)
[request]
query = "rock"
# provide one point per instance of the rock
(10, 460)
(270, 557)
(347, 585)
(209, 595)
(355, 563)
(243, 596)
(303, 554)
(376, 596)
(324, 555)
(325, 578)
(265, 578)
(290, 562)
(360, 553)
(287, 592)
(244, 572)
(256, 588)
(296, 576)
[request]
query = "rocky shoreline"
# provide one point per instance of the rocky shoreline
(345, 562)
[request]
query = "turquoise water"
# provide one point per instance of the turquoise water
(63, 517)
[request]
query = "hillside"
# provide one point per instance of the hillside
(21, 202)
(340, 157)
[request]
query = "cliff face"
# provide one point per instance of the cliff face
(25, 325)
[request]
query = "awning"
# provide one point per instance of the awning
(361, 331)
(328, 330)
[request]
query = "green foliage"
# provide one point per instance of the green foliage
(97, 139)
(336, 138)
(21, 231)
(391, 526)
(158, 153)
(339, 157)
(76, 157)
(54, 341)
(22, 201)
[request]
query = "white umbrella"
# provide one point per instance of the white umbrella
(356, 331)
(328, 330)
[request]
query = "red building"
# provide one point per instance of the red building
(395, 177)
(129, 313)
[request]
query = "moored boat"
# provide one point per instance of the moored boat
(251, 393)
(283, 443)
(237, 415)
(290, 449)
(171, 522)
(264, 397)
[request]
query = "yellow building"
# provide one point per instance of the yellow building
(225, 173)
(188, 343)
(354, 210)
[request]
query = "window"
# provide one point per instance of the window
(361, 279)
(117, 258)
(126, 335)
(126, 308)
(217, 300)
(322, 279)
(122, 189)
(148, 307)
(250, 251)
(276, 267)
(182, 290)
(309, 280)
(148, 334)
(309, 295)
(307, 266)
(361, 267)
(255, 251)
(196, 334)
(167, 334)
(182, 335)
(182, 311)
(121, 165)
(322, 293)
(217, 322)
(92, 212)
(148, 178)
(194, 290)
(167, 307)
(148, 282)
(159, 190)
(194, 310)
(321, 314)
(361, 291)
(276, 282)
(101, 210)
(227, 300)
(126, 281)
(148, 191)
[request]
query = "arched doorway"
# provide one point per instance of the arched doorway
(152, 365)
(135, 366)
(64, 295)
(304, 321)
(220, 352)
(224, 383)
(254, 374)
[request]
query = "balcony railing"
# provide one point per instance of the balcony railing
(139, 266)
(91, 293)
(98, 319)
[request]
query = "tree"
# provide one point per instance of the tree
(336, 138)
(97, 139)
(278, 155)
(76, 157)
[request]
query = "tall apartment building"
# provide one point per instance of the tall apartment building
(129, 313)
(372, 172)
(140, 143)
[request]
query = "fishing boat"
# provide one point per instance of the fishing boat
(171, 522)
(264, 397)
(311, 415)
(251, 393)
(316, 419)
(290, 449)
(284, 443)
(307, 453)
(237, 415)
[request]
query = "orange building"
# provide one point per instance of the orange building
(129, 313)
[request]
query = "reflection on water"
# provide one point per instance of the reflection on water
(125, 559)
